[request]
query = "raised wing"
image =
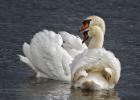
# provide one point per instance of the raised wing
(46, 56)
(72, 44)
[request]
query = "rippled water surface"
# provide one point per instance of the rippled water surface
(21, 19)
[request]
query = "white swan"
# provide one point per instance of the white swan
(95, 68)
(50, 54)
(64, 57)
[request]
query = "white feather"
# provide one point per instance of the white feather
(96, 58)
(46, 56)
(72, 44)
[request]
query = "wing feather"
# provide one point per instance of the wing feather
(51, 54)
(72, 44)
(48, 57)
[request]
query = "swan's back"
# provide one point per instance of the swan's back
(97, 60)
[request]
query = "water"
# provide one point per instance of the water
(20, 19)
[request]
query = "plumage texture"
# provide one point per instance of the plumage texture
(72, 44)
(47, 57)
(96, 60)
(95, 68)
(63, 57)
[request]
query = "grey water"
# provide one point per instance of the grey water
(21, 19)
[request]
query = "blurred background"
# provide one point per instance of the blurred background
(21, 19)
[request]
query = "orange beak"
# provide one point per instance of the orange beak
(84, 26)
(83, 29)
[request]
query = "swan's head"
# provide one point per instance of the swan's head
(90, 26)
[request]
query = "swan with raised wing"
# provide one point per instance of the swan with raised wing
(65, 57)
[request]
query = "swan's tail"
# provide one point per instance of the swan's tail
(27, 57)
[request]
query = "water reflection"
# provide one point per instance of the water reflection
(42, 89)
(94, 95)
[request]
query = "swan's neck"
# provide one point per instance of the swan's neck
(97, 40)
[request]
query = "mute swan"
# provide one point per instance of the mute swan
(64, 57)
(50, 54)
(95, 67)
